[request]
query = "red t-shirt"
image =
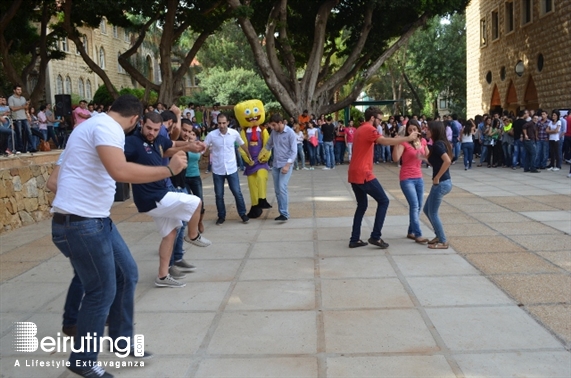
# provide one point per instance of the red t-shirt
(568, 132)
(410, 167)
(361, 165)
(350, 132)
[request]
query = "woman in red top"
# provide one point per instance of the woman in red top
(339, 146)
(411, 182)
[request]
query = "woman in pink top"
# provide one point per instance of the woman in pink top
(411, 182)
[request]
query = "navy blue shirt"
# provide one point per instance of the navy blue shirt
(435, 159)
(138, 150)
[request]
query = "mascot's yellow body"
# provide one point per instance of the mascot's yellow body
(251, 115)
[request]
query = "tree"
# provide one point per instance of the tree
(227, 48)
(24, 52)
(301, 37)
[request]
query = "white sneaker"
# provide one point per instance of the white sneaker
(556, 169)
(305, 169)
(326, 168)
(569, 175)
(201, 241)
(168, 282)
(550, 168)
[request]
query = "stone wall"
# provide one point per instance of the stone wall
(546, 34)
(24, 198)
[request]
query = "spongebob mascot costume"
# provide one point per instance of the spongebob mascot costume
(251, 115)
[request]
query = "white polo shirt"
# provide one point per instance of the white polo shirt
(222, 151)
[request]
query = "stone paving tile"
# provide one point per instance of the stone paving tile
(536, 288)
(11, 269)
(13, 294)
(389, 366)
(196, 296)
(487, 244)
(355, 267)
(286, 249)
(505, 216)
(272, 295)
(364, 293)
(522, 228)
(268, 332)
(555, 317)
(258, 367)
(336, 204)
(559, 258)
(544, 242)
(489, 328)
(471, 208)
(455, 219)
(377, 331)
(476, 229)
(278, 269)
(456, 291)
(49, 272)
(434, 265)
(505, 263)
(508, 199)
(528, 206)
(515, 364)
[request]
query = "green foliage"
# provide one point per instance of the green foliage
(233, 86)
(226, 49)
(140, 94)
(102, 96)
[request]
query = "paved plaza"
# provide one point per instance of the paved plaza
(292, 300)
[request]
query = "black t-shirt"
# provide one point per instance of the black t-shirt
(328, 131)
(435, 159)
(138, 150)
(518, 128)
(530, 127)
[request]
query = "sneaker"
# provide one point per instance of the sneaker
(244, 218)
(297, 168)
(200, 241)
(168, 282)
(550, 168)
(219, 221)
(535, 171)
(184, 267)
(311, 168)
(207, 171)
(326, 168)
(176, 273)
(305, 169)
(379, 243)
(90, 372)
(569, 175)
(556, 169)
(281, 218)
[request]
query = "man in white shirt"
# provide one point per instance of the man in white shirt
(188, 113)
(83, 232)
(224, 166)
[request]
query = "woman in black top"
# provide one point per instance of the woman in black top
(440, 158)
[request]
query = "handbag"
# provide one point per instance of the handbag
(45, 145)
(313, 140)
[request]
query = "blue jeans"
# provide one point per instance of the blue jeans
(339, 152)
(375, 190)
(377, 153)
(280, 185)
(468, 149)
(530, 155)
(437, 192)
(72, 301)
(484, 154)
(329, 155)
(109, 275)
(385, 153)
(413, 190)
(320, 154)
(312, 154)
(519, 153)
(24, 138)
(234, 185)
(239, 160)
(10, 136)
(508, 152)
(456, 149)
(300, 156)
(542, 153)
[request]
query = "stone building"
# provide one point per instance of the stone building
(518, 55)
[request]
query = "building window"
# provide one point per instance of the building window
(59, 84)
(115, 32)
(119, 67)
(88, 89)
(126, 35)
(103, 26)
(101, 58)
(495, 25)
(546, 6)
(540, 62)
(81, 88)
(503, 73)
(68, 85)
(483, 36)
(489, 77)
(443, 104)
(509, 19)
(64, 44)
(526, 11)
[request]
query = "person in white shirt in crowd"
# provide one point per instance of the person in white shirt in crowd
(554, 132)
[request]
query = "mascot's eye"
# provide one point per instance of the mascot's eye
(256, 110)
(247, 112)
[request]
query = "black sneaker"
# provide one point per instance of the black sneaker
(219, 221)
(379, 243)
(281, 218)
(358, 244)
(244, 218)
(90, 372)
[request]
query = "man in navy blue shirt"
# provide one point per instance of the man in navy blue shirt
(168, 209)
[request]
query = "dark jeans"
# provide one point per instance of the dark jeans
(468, 150)
(52, 135)
(374, 189)
(109, 275)
(508, 153)
(518, 153)
(566, 147)
(530, 155)
(234, 185)
(339, 152)
(10, 135)
(554, 154)
(23, 135)
(312, 154)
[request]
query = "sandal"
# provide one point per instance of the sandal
(434, 241)
(421, 240)
(438, 246)
(411, 236)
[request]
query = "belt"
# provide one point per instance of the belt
(63, 218)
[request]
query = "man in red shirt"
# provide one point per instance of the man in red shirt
(363, 180)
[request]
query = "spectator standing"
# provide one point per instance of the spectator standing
(467, 139)
(349, 136)
(19, 107)
(553, 132)
(340, 143)
(542, 143)
(529, 130)
(328, 130)
(80, 114)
